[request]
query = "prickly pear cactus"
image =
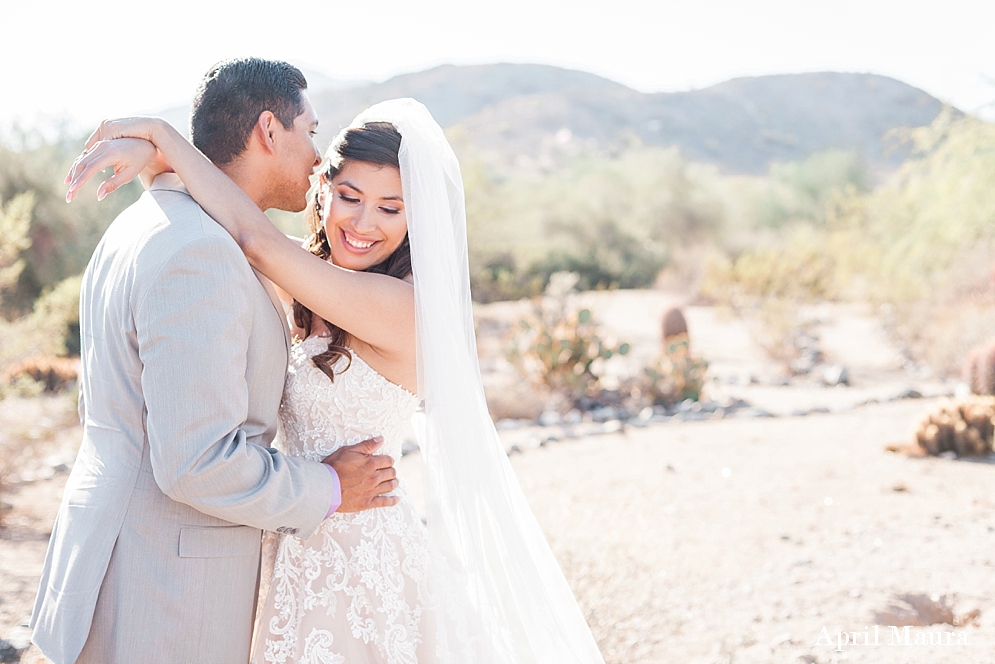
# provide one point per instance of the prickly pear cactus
(560, 345)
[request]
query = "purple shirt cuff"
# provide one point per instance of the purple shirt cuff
(336, 493)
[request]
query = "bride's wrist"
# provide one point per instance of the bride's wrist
(167, 140)
(158, 131)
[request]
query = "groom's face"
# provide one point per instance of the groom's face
(297, 156)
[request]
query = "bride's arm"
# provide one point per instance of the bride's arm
(377, 309)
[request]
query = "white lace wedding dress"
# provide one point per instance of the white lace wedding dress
(357, 590)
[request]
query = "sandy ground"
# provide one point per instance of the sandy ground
(735, 540)
(738, 541)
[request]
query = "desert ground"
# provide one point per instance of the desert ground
(754, 534)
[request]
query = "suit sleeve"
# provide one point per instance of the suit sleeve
(193, 331)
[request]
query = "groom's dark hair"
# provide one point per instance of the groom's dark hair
(232, 96)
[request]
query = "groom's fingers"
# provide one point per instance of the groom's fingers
(381, 461)
(385, 501)
(386, 487)
(385, 475)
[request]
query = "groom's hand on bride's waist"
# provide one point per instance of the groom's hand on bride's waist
(364, 477)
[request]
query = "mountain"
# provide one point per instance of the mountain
(510, 114)
(514, 116)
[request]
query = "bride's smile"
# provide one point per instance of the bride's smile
(364, 219)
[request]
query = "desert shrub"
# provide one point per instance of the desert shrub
(497, 277)
(19, 385)
(603, 258)
(933, 216)
(56, 316)
(797, 267)
(50, 330)
(559, 345)
(62, 236)
(40, 373)
(804, 190)
(768, 287)
(500, 276)
(676, 374)
(15, 221)
(922, 244)
(615, 221)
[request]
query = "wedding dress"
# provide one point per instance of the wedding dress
(358, 590)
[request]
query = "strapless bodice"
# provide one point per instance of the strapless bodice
(319, 415)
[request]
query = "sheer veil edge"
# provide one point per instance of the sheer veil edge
(494, 568)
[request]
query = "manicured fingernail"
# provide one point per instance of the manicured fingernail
(378, 439)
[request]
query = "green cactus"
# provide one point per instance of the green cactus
(558, 345)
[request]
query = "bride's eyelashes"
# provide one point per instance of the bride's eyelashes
(353, 201)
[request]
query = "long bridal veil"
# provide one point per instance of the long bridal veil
(493, 566)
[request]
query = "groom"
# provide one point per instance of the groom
(154, 556)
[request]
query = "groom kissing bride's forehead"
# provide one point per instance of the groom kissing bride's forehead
(155, 552)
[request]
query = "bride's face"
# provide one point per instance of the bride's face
(364, 214)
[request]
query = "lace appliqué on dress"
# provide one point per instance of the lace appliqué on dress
(357, 590)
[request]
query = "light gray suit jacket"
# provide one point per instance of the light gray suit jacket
(154, 555)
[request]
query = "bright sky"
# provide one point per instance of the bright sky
(87, 60)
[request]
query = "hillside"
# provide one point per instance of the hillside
(527, 116)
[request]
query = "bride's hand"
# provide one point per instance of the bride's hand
(130, 158)
(136, 127)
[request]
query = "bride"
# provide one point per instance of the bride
(382, 303)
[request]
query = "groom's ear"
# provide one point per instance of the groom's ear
(263, 133)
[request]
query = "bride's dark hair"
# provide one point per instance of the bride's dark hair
(374, 143)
